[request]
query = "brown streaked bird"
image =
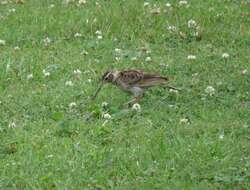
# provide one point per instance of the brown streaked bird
(133, 81)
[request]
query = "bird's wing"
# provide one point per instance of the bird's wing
(152, 80)
(141, 79)
(131, 77)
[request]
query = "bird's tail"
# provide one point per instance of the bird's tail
(165, 80)
(151, 80)
(154, 80)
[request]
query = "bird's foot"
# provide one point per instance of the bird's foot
(127, 105)
(132, 102)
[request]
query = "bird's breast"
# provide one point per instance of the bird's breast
(122, 85)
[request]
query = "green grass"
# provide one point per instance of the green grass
(55, 147)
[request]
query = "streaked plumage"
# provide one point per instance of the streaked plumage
(133, 81)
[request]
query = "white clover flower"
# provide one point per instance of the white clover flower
(51, 5)
(117, 50)
(244, 72)
(196, 34)
(89, 80)
(30, 76)
(168, 5)
(7, 67)
(145, 4)
(77, 72)
(173, 91)
(46, 41)
(221, 136)
(148, 51)
(219, 15)
(106, 116)
(164, 65)
(136, 107)
(225, 55)
(148, 59)
(219, 83)
(172, 28)
(244, 126)
(134, 59)
(137, 163)
(76, 35)
(12, 10)
(2, 42)
(98, 32)
(87, 72)
(156, 10)
(117, 58)
(12, 125)
(99, 37)
(82, 2)
(171, 106)
(4, 2)
(72, 105)
(195, 74)
(105, 122)
(183, 2)
(192, 24)
(45, 73)
(69, 83)
(50, 156)
(191, 57)
(16, 48)
(210, 90)
(104, 104)
(184, 121)
(84, 52)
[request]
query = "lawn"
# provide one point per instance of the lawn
(52, 56)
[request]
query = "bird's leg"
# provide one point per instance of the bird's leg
(133, 101)
(138, 94)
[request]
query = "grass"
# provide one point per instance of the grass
(188, 140)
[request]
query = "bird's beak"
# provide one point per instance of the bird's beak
(98, 90)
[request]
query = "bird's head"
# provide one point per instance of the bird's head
(107, 77)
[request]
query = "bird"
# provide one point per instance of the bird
(132, 81)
